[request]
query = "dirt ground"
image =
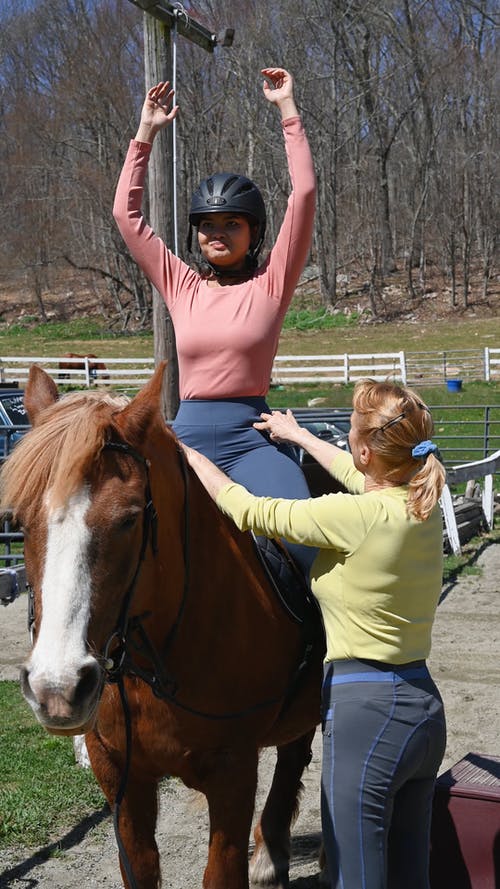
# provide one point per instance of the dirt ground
(464, 662)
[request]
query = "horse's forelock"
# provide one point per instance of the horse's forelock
(59, 451)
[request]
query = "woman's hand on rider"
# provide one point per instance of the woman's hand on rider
(278, 89)
(281, 427)
(157, 112)
(284, 428)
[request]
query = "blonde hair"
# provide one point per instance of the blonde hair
(392, 421)
(58, 451)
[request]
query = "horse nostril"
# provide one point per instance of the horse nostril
(89, 679)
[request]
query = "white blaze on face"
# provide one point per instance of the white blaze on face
(60, 651)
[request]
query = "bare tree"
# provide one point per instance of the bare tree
(399, 100)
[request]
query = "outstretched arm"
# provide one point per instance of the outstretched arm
(157, 112)
(211, 477)
(278, 89)
(284, 427)
(285, 262)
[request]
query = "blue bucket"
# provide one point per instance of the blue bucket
(454, 385)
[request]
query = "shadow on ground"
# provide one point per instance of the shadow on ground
(72, 838)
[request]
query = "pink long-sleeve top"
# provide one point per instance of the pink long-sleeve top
(226, 336)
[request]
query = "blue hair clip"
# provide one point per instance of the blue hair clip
(424, 448)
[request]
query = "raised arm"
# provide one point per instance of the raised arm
(288, 255)
(157, 112)
(167, 272)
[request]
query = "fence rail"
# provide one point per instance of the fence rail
(85, 371)
(411, 368)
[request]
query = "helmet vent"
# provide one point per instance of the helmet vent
(229, 183)
(248, 186)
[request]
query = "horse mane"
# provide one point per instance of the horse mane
(57, 453)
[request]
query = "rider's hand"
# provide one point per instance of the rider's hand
(278, 89)
(157, 111)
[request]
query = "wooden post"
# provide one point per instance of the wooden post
(158, 66)
(159, 18)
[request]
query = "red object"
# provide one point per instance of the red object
(465, 835)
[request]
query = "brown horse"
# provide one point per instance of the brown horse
(97, 369)
(155, 632)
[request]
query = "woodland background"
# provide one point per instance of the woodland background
(400, 103)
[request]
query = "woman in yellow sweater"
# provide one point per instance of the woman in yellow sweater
(377, 578)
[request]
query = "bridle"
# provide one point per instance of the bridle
(114, 663)
(120, 662)
(117, 661)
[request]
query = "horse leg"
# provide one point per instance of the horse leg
(271, 858)
(137, 816)
(230, 788)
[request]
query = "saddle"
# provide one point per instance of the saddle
(286, 579)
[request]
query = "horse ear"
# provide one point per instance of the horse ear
(40, 392)
(135, 419)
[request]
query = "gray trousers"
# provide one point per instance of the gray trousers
(384, 737)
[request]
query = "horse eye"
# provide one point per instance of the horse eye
(128, 522)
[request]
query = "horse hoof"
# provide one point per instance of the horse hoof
(266, 873)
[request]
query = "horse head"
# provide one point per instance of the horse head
(78, 484)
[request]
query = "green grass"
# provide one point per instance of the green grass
(80, 336)
(474, 393)
(318, 319)
(42, 790)
(306, 331)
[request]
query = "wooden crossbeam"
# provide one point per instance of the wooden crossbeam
(186, 26)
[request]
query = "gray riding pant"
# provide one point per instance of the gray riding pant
(384, 737)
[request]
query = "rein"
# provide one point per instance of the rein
(150, 525)
(163, 686)
(116, 666)
(117, 661)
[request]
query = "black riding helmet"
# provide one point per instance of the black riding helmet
(230, 193)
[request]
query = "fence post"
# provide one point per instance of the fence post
(488, 501)
(450, 520)
(346, 369)
(87, 372)
(487, 369)
(402, 367)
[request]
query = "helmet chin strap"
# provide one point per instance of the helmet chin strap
(228, 273)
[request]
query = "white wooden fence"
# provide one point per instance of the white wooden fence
(482, 472)
(289, 369)
(85, 371)
(411, 368)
